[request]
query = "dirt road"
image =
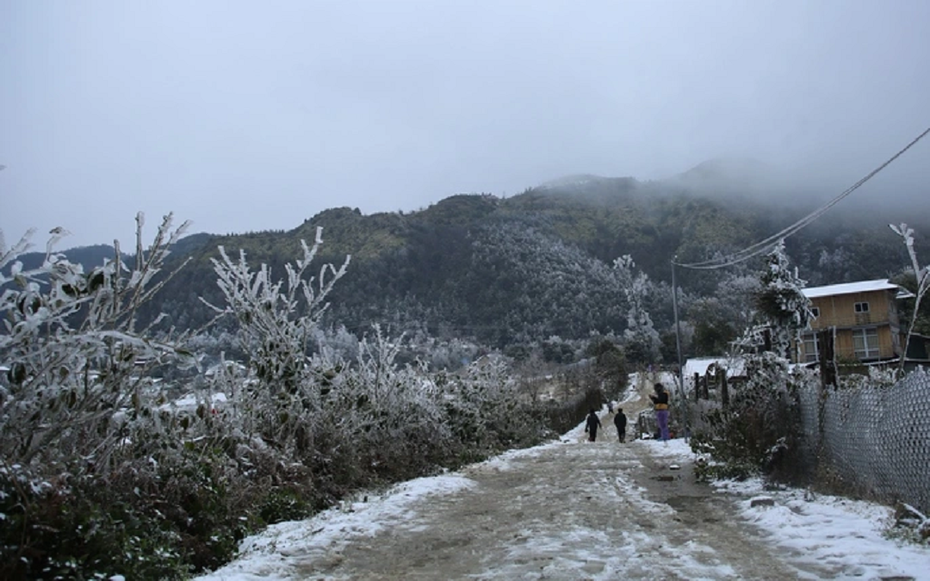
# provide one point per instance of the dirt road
(567, 510)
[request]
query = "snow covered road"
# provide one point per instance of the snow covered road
(573, 510)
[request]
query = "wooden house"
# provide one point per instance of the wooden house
(862, 319)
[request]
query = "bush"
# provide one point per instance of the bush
(759, 428)
(80, 531)
(101, 475)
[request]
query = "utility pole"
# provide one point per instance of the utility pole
(680, 382)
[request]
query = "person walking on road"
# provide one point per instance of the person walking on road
(592, 423)
(620, 422)
(660, 404)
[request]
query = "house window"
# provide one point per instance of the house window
(862, 307)
(811, 347)
(815, 312)
(866, 343)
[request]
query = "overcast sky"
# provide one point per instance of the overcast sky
(244, 116)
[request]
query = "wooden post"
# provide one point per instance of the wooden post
(697, 387)
(724, 392)
(827, 358)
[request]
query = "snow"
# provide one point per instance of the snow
(699, 365)
(845, 534)
(570, 181)
(190, 401)
(264, 556)
(864, 286)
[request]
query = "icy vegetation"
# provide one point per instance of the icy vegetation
(104, 467)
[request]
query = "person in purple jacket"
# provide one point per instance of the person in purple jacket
(660, 403)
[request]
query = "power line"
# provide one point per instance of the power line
(766, 244)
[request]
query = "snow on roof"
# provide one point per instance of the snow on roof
(699, 365)
(864, 286)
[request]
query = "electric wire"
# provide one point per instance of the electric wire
(768, 243)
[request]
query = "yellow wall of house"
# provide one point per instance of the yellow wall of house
(845, 346)
(840, 310)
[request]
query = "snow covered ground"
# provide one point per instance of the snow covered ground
(809, 533)
(847, 534)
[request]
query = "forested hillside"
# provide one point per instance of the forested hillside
(513, 272)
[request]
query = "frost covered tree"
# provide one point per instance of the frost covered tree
(719, 319)
(923, 279)
(641, 339)
(781, 301)
(761, 426)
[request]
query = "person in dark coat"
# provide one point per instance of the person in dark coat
(592, 423)
(620, 422)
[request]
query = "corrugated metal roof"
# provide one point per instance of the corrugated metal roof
(849, 288)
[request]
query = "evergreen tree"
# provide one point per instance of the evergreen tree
(781, 302)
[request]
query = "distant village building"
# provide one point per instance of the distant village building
(711, 369)
(860, 319)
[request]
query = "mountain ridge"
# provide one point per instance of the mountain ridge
(537, 264)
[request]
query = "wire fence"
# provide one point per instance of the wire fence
(872, 441)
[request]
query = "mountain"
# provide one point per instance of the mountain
(88, 256)
(730, 174)
(538, 264)
(95, 255)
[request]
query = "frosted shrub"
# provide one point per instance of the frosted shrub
(390, 415)
(488, 411)
(77, 378)
(119, 480)
(882, 377)
(276, 321)
(760, 428)
(78, 413)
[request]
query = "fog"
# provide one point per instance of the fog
(245, 116)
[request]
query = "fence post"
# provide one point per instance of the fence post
(724, 392)
(827, 359)
(827, 379)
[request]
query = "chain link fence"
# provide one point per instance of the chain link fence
(872, 441)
